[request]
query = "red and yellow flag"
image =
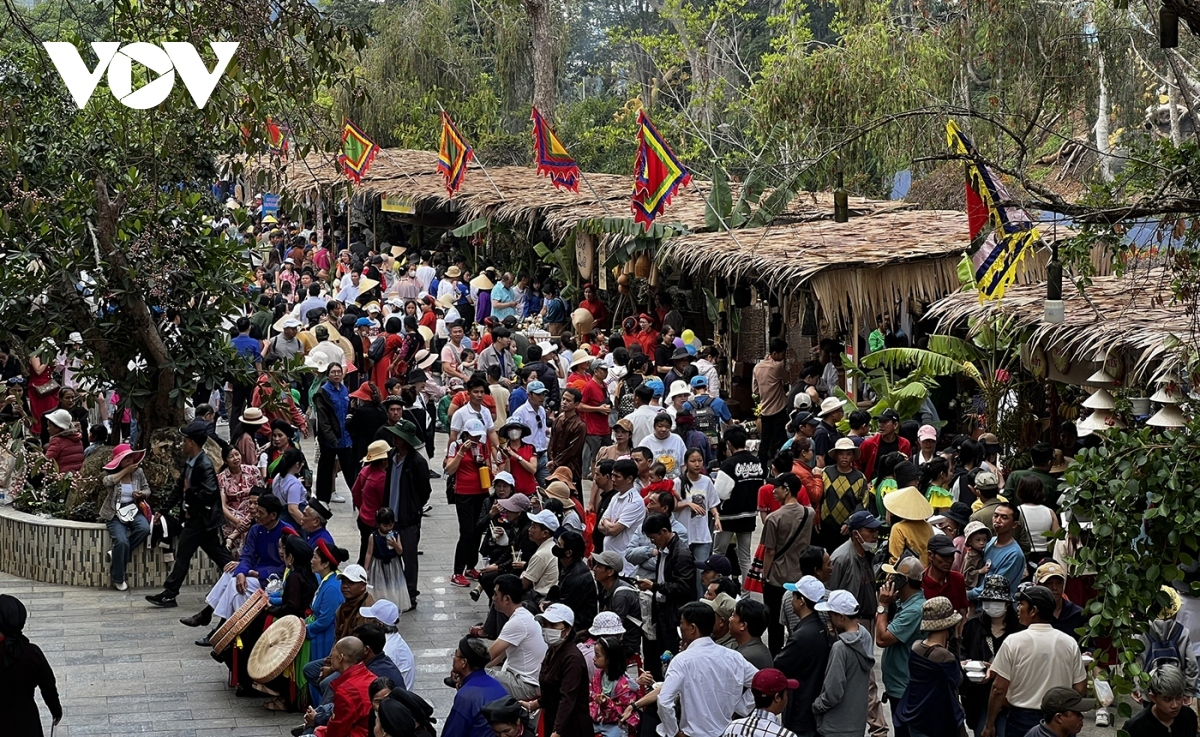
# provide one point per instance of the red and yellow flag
(454, 154)
(657, 173)
(553, 161)
(358, 151)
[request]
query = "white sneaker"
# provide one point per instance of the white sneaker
(337, 497)
(1102, 717)
(121, 586)
(108, 556)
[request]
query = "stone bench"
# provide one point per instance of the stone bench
(72, 554)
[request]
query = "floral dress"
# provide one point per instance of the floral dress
(236, 492)
(609, 700)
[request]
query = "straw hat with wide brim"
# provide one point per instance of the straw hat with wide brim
(377, 451)
(482, 282)
(846, 444)
(276, 649)
(120, 453)
(446, 301)
(426, 333)
(254, 416)
(424, 359)
(908, 503)
(580, 358)
(1061, 462)
(453, 272)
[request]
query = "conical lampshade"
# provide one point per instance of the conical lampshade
(1169, 416)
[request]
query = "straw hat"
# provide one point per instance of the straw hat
(848, 444)
(119, 454)
(938, 614)
(829, 406)
(583, 321)
(365, 285)
(446, 301)
(481, 282)
(377, 451)
(580, 357)
(276, 649)
(908, 503)
(453, 272)
(1061, 462)
(559, 490)
(424, 359)
(253, 416)
(1100, 399)
(426, 333)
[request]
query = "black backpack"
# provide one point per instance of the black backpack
(705, 418)
(377, 349)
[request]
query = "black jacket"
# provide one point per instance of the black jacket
(804, 658)
(678, 586)
(329, 426)
(414, 488)
(547, 375)
(362, 422)
(577, 589)
(202, 500)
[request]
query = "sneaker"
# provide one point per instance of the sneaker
(120, 586)
(427, 509)
(108, 556)
(338, 498)
(1102, 717)
(222, 421)
(472, 574)
(456, 580)
(164, 600)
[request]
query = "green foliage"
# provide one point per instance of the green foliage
(1137, 489)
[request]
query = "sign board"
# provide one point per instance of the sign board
(270, 205)
(401, 205)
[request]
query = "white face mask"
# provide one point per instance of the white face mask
(994, 609)
(514, 434)
(869, 546)
(551, 636)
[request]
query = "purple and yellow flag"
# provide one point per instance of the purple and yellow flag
(358, 151)
(553, 161)
(454, 154)
(657, 173)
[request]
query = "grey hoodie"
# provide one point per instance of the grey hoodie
(1162, 629)
(841, 708)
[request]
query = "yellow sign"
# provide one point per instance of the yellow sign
(398, 204)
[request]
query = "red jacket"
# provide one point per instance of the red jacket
(66, 450)
(351, 703)
(869, 450)
(368, 492)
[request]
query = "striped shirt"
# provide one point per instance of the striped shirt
(761, 723)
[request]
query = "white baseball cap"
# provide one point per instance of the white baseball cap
(291, 322)
(474, 428)
(545, 518)
(548, 347)
(842, 602)
(354, 572)
(506, 477)
(383, 610)
(808, 587)
(558, 613)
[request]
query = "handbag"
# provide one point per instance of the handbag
(48, 388)
(128, 513)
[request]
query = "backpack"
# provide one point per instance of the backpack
(1162, 653)
(378, 349)
(625, 404)
(705, 418)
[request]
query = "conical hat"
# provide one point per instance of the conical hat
(1099, 421)
(1100, 399)
(482, 282)
(365, 285)
(1100, 377)
(1168, 394)
(276, 649)
(1169, 416)
(908, 503)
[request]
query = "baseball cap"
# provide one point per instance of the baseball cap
(723, 605)
(545, 518)
(718, 563)
(1047, 571)
(770, 681)
(474, 428)
(808, 587)
(515, 503)
(557, 613)
(806, 418)
(536, 387)
(354, 572)
(909, 567)
(891, 414)
(1060, 699)
(1041, 598)
(506, 477)
(986, 480)
(841, 602)
(699, 381)
(609, 559)
(383, 610)
(291, 322)
(862, 518)
(942, 545)
(656, 386)
(927, 432)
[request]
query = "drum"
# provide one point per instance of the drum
(277, 647)
(241, 619)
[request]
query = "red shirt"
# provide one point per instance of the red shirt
(523, 481)
(766, 499)
(953, 588)
(466, 479)
(368, 492)
(595, 395)
(351, 703)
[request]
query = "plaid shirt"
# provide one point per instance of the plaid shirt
(761, 723)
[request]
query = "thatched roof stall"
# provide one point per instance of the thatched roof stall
(862, 267)
(1132, 315)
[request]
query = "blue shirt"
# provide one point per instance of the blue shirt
(906, 627)
(466, 717)
(341, 406)
(247, 348)
(1007, 561)
(321, 534)
(533, 303)
(719, 408)
(501, 293)
(261, 552)
(516, 399)
(556, 311)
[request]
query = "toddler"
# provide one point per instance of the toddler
(977, 536)
(384, 569)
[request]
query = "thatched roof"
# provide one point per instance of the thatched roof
(1133, 314)
(527, 199)
(866, 264)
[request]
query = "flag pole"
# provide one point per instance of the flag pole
(595, 193)
(478, 161)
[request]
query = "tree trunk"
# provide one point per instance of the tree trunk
(542, 30)
(1102, 112)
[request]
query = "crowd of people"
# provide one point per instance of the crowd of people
(644, 563)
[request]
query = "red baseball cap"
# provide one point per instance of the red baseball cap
(771, 681)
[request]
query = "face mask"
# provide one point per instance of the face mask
(412, 273)
(514, 434)
(869, 546)
(551, 636)
(993, 609)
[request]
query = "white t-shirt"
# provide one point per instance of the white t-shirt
(696, 524)
(542, 568)
(526, 646)
(466, 413)
(629, 510)
(673, 447)
(1036, 660)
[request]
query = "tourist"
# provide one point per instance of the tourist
(986, 488)
(532, 414)
(746, 627)
(475, 690)
(23, 668)
(468, 460)
(612, 691)
(407, 491)
(1030, 663)
(927, 437)
(1037, 520)
(737, 484)
(67, 400)
(41, 374)
(665, 446)
(1041, 457)
(930, 703)
(1165, 638)
(724, 606)
(383, 565)
(568, 437)
(350, 685)
(519, 644)
(375, 657)
(673, 586)
(697, 507)
(122, 512)
(910, 533)
(336, 448)
(288, 487)
(887, 440)
(982, 636)
(1168, 713)
(940, 578)
(66, 441)
(563, 677)
(852, 561)
(898, 636)
(237, 482)
(770, 384)
(519, 457)
(1068, 616)
(769, 689)
(364, 419)
(806, 655)
(386, 616)
(617, 597)
(625, 512)
(540, 573)
(595, 407)
(706, 681)
(848, 681)
(1002, 555)
(353, 585)
(786, 533)
(643, 414)
(367, 493)
(843, 489)
(200, 495)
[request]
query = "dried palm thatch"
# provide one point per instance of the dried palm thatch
(1133, 314)
(527, 199)
(862, 266)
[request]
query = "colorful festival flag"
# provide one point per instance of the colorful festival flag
(454, 154)
(553, 161)
(656, 175)
(1013, 234)
(358, 152)
(277, 137)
